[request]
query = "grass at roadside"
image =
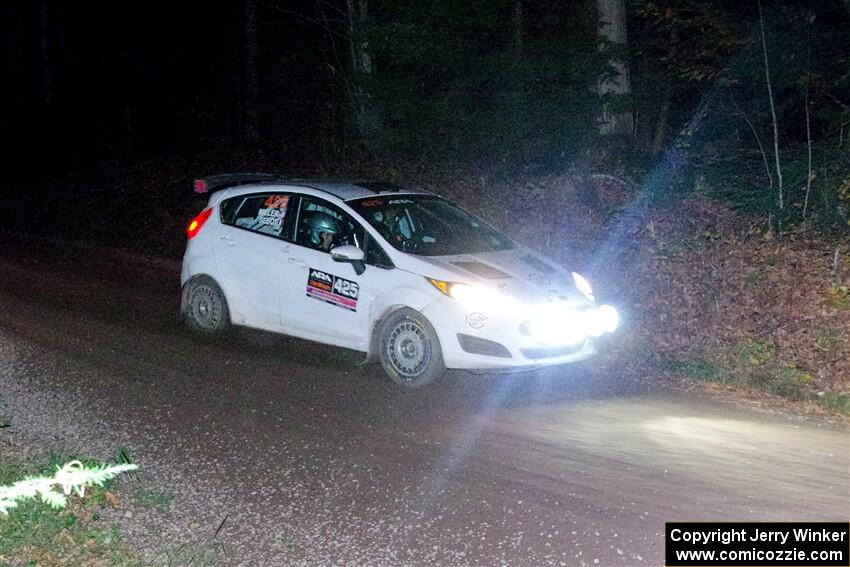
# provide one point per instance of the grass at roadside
(35, 534)
(82, 534)
(152, 498)
(755, 365)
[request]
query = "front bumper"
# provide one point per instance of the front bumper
(516, 365)
(493, 342)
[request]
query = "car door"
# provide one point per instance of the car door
(250, 251)
(331, 301)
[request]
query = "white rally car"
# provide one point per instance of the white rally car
(402, 275)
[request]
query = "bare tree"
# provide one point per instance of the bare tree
(809, 173)
(612, 32)
(252, 77)
(661, 126)
(762, 151)
(772, 111)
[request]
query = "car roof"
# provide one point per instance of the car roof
(348, 191)
(239, 183)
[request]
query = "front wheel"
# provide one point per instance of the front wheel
(410, 350)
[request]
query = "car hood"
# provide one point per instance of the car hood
(519, 272)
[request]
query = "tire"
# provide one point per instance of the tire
(409, 349)
(205, 308)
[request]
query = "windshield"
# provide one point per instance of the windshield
(429, 226)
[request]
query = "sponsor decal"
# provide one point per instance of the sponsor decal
(270, 217)
(277, 202)
(476, 320)
(332, 289)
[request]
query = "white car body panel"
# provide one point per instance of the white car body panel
(246, 266)
(265, 282)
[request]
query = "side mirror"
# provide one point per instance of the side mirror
(348, 254)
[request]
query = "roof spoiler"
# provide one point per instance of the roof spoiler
(380, 186)
(213, 183)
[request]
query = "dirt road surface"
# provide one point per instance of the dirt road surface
(283, 452)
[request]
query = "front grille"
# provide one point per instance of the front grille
(477, 345)
(549, 352)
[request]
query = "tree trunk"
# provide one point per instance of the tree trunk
(252, 78)
(661, 127)
(810, 173)
(366, 117)
(781, 195)
(613, 34)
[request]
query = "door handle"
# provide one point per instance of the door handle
(227, 240)
(297, 262)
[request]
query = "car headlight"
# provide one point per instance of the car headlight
(583, 285)
(608, 318)
(566, 325)
(476, 297)
(561, 329)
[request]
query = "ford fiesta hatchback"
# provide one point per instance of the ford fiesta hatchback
(406, 277)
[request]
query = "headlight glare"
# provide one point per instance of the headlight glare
(570, 326)
(609, 319)
(583, 285)
(475, 297)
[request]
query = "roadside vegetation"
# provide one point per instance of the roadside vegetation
(35, 533)
(46, 524)
(84, 532)
(740, 306)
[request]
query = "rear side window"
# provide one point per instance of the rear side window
(265, 213)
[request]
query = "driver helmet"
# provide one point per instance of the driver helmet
(319, 223)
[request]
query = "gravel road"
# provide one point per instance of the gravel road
(282, 452)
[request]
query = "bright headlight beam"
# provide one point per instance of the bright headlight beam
(573, 326)
(462, 292)
(481, 297)
(477, 297)
(609, 319)
(583, 285)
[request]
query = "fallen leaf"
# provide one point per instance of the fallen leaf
(111, 499)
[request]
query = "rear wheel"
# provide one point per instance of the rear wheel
(410, 350)
(205, 308)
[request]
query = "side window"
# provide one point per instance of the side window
(266, 213)
(323, 226)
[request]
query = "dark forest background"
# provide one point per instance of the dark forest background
(96, 90)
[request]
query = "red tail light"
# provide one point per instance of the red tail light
(197, 223)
